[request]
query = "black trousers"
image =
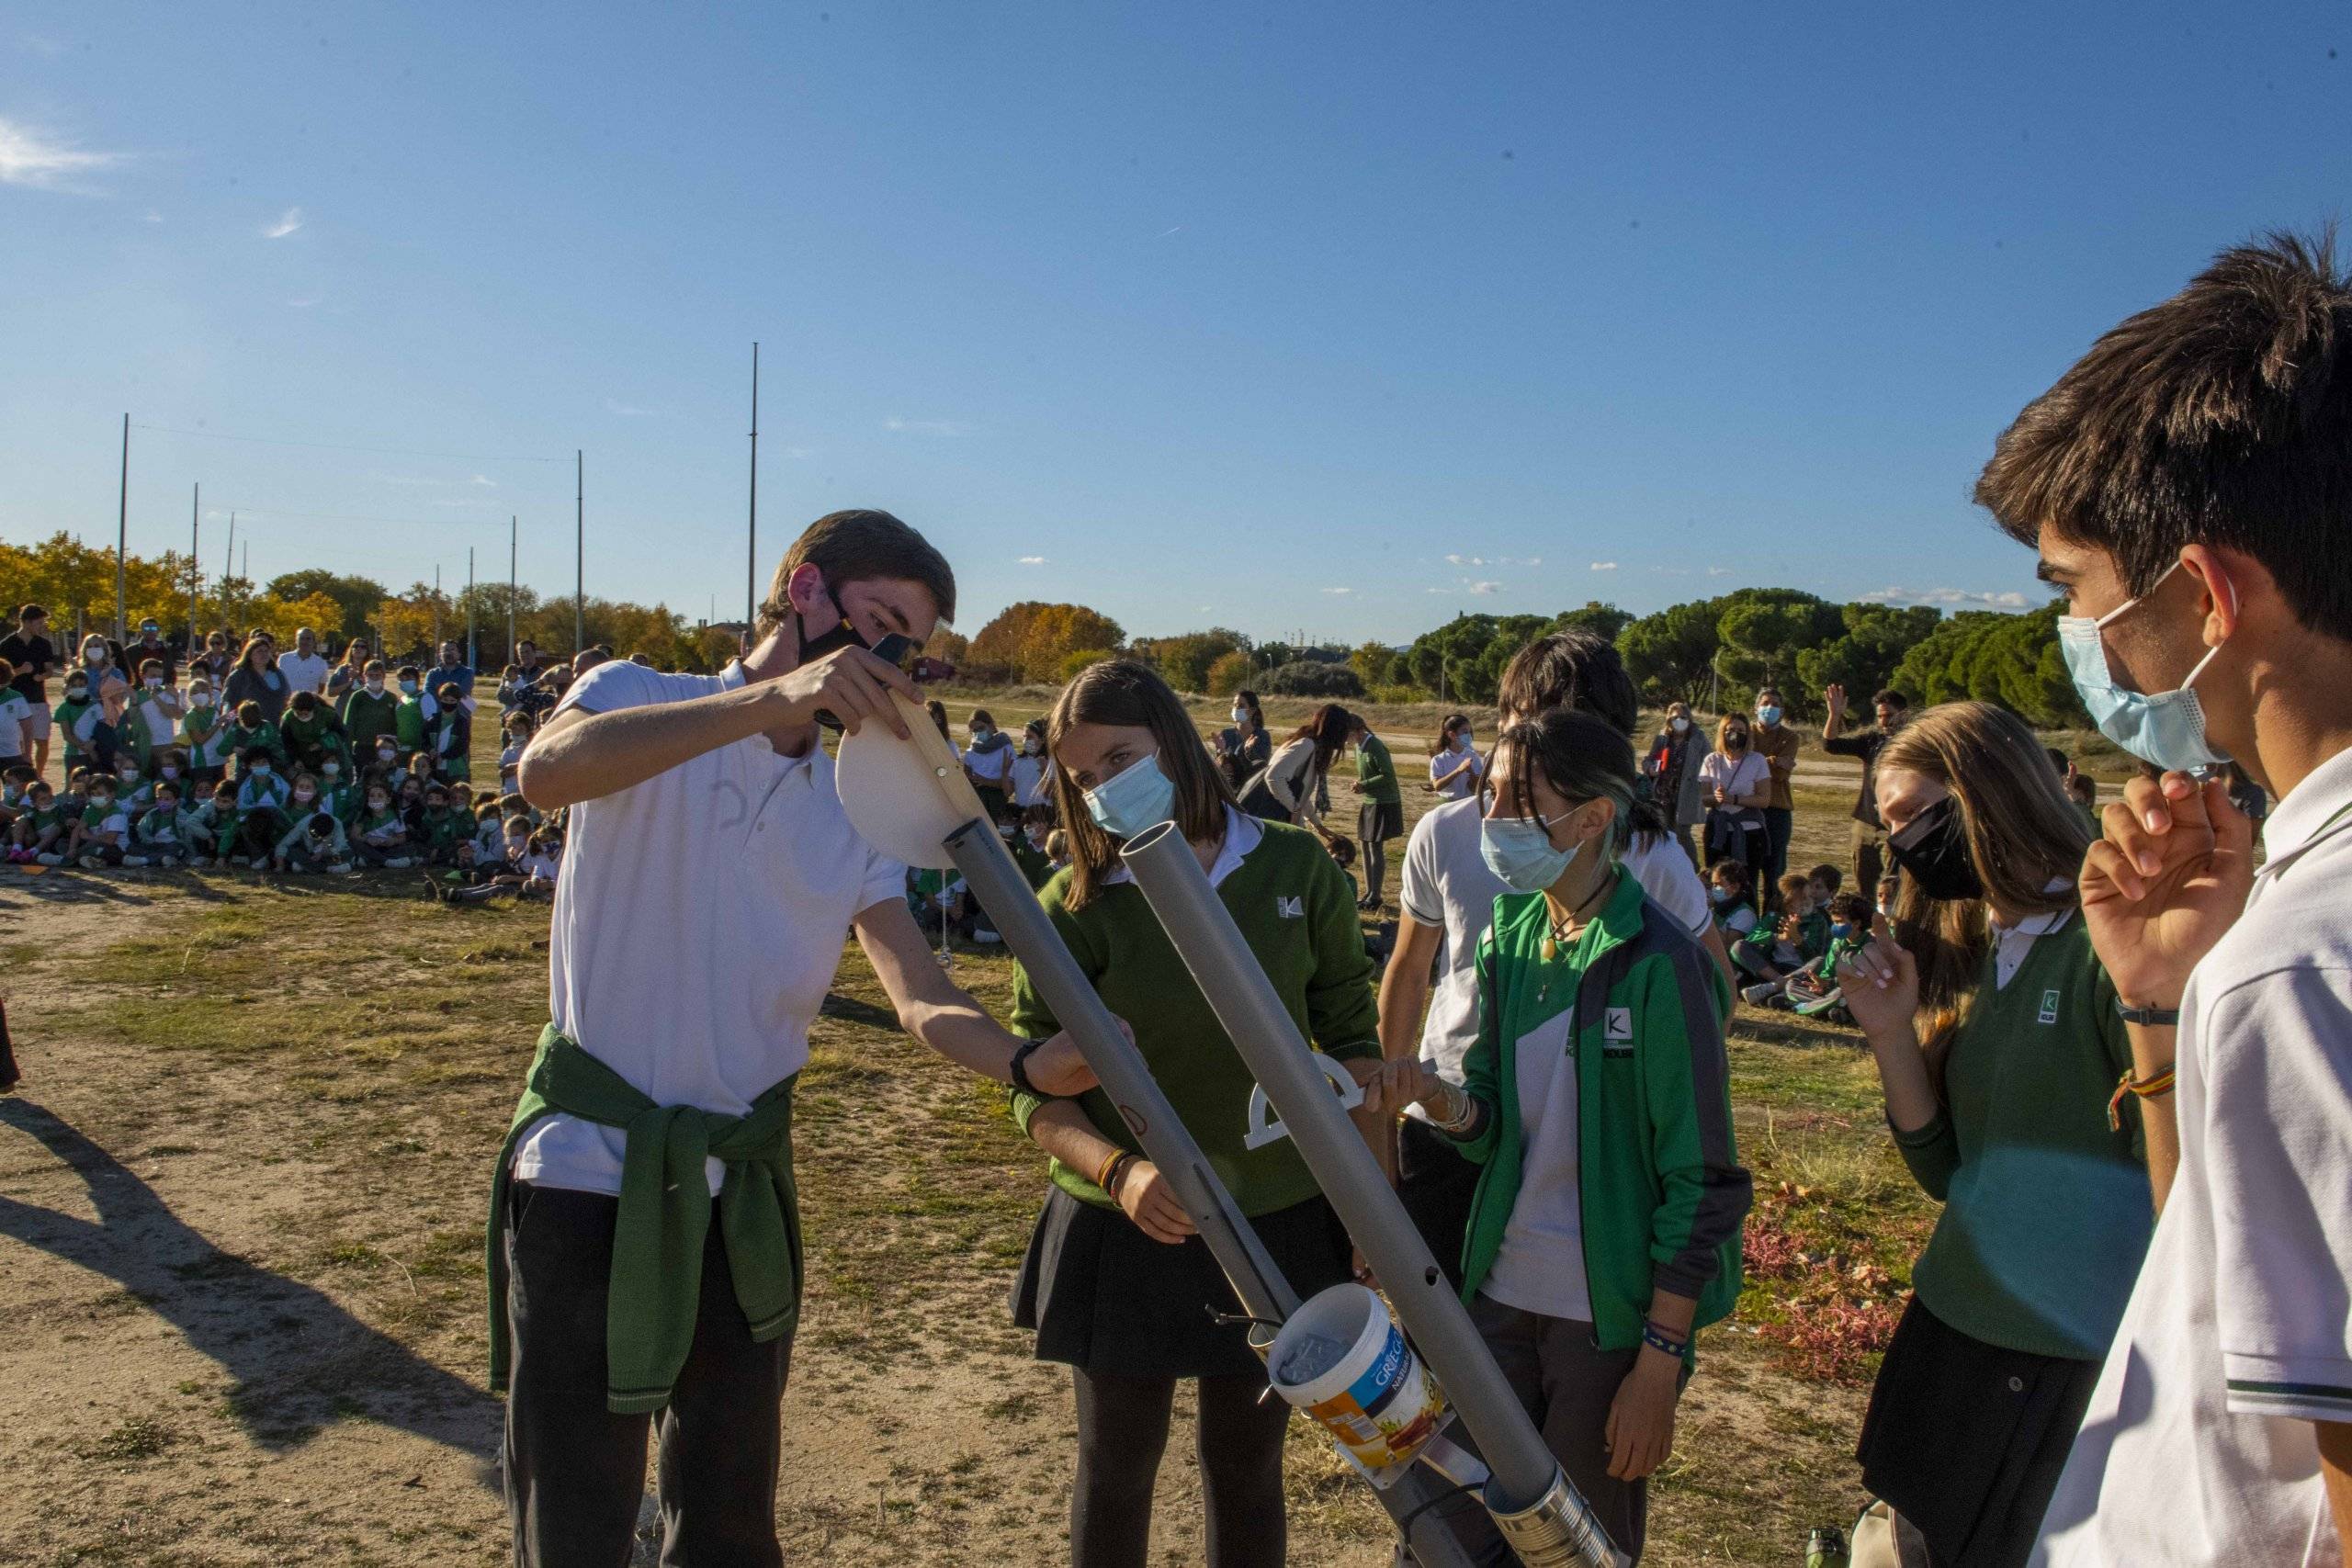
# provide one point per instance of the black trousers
(1435, 1185)
(575, 1472)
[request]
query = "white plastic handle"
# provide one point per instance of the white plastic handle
(1265, 1127)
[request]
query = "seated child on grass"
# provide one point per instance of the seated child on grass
(262, 800)
(156, 837)
(42, 830)
(380, 836)
(1771, 950)
(1730, 891)
(1813, 988)
(104, 832)
(315, 843)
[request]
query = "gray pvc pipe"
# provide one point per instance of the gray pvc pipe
(1006, 894)
(1523, 1471)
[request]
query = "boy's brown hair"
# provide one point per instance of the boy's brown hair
(859, 545)
(2222, 417)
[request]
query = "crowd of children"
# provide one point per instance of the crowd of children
(160, 776)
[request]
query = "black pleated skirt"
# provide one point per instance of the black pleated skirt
(1966, 1439)
(1101, 1295)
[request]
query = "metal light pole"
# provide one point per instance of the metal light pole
(512, 533)
(121, 528)
(752, 561)
(580, 551)
(195, 567)
(473, 658)
(437, 609)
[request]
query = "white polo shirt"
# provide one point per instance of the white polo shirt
(1447, 884)
(303, 673)
(698, 922)
(2199, 1446)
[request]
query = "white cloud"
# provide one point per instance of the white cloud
(927, 426)
(1485, 586)
(794, 454)
(1719, 571)
(1961, 598)
(1533, 560)
(287, 221)
(29, 158)
(1033, 560)
(153, 218)
(484, 480)
(1338, 590)
(629, 410)
(1602, 566)
(305, 302)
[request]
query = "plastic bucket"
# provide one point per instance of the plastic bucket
(1378, 1402)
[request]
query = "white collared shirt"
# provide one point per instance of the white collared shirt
(699, 921)
(2011, 943)
(2199, 1446)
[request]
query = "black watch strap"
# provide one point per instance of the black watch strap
(1021, 1070)
(2151, 1018)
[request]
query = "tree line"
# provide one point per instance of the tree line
(76, 582)
(1713, 653)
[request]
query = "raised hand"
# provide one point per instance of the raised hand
(1879, 981)
(2168, 878)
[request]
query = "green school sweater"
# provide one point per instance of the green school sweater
(407, 725)
(1660, 1187)
(1376, 774)
(365, 718)
(202, 731)
(237, 740)
(65, 716)
(1295, 910)
(312, 741)
(2046, 1211)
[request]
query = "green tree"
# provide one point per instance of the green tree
(1865, 659)
(1184, 660)
(1377, 664)
(356, 598)
(1604, 621)
(1763, 629)
(1232, 673)
(1670, 655)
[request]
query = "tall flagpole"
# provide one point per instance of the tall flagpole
(578, 550)
(473, 656)
(229, 560)
(195, 565)
(751, 563)
(512, 535)
(121, 528)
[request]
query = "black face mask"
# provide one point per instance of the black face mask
(843, 635)
(1933, 850)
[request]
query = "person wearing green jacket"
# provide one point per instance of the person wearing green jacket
(1605, 1231)
(369, 711)
(67, 714)
(412, 720)
(2000, 1046)
(253, 732)
(311, 733)
(1380, 811)
(1117, 1284)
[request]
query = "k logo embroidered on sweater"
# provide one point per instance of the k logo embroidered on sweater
(1619, 1025)
(2049, 1006)
(1291, 908)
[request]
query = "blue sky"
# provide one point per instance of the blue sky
(1334, 317)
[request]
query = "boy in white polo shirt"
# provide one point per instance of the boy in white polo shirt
(709, 874)
(2188, 484)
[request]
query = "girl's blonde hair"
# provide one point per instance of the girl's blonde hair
(2023, 835)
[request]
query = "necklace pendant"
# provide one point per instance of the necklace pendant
(1550, 950)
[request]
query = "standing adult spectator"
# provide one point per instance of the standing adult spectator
(988, 762)
(350, 670)
(1869, 834)
(2185, 483)
(587, 659)
(1290, 786)
(1777, 743)
(1998, 1048)
(150, 645)
(1676, 789)
(32, 656)
(15, 719)
(639, 1112)
(304, 667)
(1739, 785)
(99, 663)
(528, 661)
(1244, 746)
(454, 671)
(213, 658)
(1455, 766)
(255, 680)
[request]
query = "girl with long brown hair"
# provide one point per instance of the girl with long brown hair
(1116, 1284)
(1999, 1048)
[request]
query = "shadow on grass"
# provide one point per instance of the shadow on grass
(299, 1360)
(850, 1010)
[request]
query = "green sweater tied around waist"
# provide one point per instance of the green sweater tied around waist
(664, 1218)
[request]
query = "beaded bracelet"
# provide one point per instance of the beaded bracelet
(1657, 1339)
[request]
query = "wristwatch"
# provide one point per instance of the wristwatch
(2155, 1018)
(1021, 1070)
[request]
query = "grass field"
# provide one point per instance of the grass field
(245, 1184)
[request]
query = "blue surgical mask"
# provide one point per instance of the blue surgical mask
(1137, 797)
(1718, 895)
(1767, 715)
(1843, 931)
(2166, 730)
(1518, 850)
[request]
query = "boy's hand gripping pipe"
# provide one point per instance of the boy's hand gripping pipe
(1538, 1512)
(895, 819)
